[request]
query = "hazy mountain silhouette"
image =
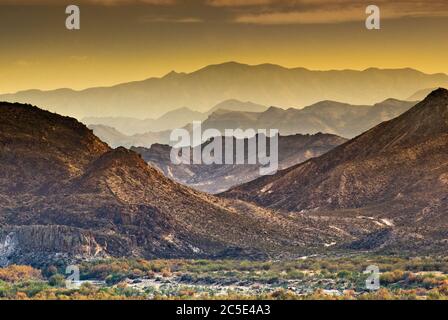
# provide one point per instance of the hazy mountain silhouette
(171, 120)
(265, 84)
(220, 177)
(131, 126)
(421, 94)
(326, 116)
(115, 138)
(236, 105)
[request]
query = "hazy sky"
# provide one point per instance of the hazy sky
(125, 40)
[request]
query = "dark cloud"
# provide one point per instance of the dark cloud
(325, 11)
(265, 11)
(90, 2)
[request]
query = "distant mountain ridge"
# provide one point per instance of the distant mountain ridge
(266, 84)
(421, 94)
(115, 138)
(220, 177)
(171, 120)
(236, 105)
(130, 126)
(327, 117)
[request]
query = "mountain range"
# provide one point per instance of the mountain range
(396, 172)
(133, 126)
(65, 194)
(217, 178)
(327, 116)
(115, 138)
(171, 120)
(266, 84)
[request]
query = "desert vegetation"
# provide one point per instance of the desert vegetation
(310, 278)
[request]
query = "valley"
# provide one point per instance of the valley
(141, 227)
(244, 150)
(66, 195)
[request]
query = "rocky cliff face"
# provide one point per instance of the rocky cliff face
(40, 244)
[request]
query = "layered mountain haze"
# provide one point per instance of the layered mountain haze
(171, 120)
(396, 172)
(266, 84)
(327, 116)
(236, 105)
(223, 150)
(421, 94)
(133, 126)
(217, 178)
(64, 194)
(115, 138)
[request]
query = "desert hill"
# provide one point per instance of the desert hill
(396, 172)
(64, 194)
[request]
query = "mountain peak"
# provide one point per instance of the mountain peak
(431, 114)
(426, 120)
(440, 93)
(223, 66)
(237, 105)
(181, 110)
(434, 105)
(232, 66)
(171, 74)
(273, 109)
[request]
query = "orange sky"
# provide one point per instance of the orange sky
(125, 40)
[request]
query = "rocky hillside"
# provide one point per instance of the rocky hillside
(217, 178)
(65, 194)
(396, 172)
